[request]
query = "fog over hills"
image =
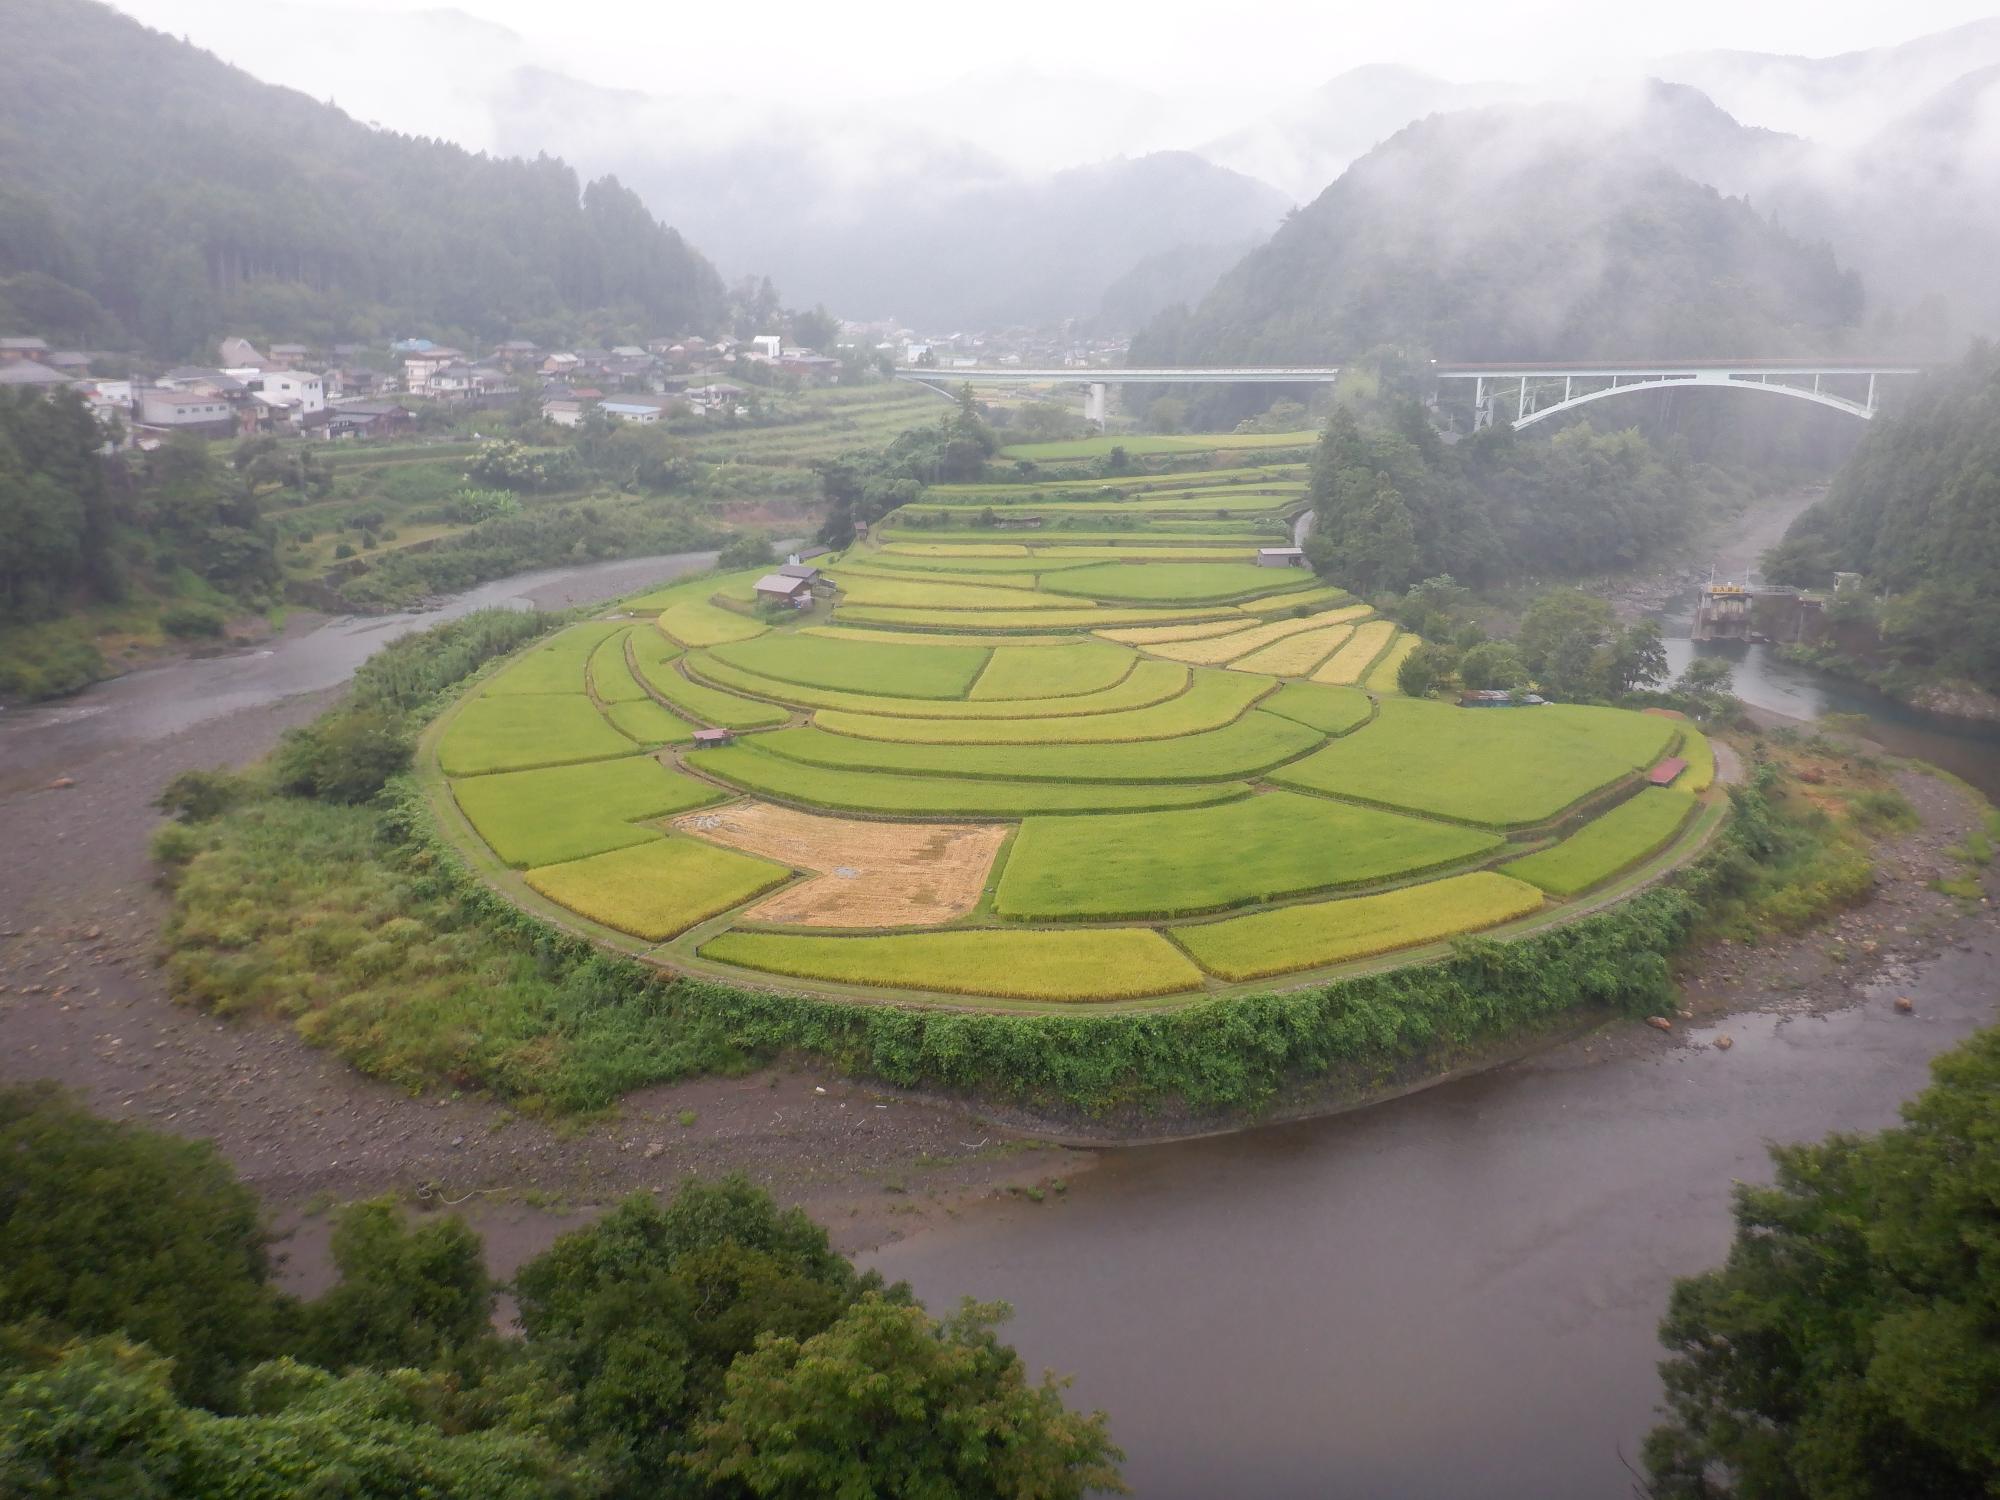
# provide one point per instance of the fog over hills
(995, 192)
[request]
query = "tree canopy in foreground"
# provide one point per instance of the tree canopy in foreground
(1850, 1345)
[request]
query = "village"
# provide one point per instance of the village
(354, 391)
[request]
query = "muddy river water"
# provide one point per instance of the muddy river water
(1450, 1295)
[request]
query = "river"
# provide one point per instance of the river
(1452, 1294)
(316, 654)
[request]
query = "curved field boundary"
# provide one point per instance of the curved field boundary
(997, 620)
(1413, 759)
(1296, 655)
(1077, 968)
(747, 768)
(1318, 934)
(1212, 701)
(1220, 650)
(1147, 683)
(1171, 582)
(663, 669)
(1350, 664)
(1072, 670)
(680, 955)
(1613, 841)
(1253, 744)
(1383, 676)
(1162, 865)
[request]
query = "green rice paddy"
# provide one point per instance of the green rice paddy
(1208, 774)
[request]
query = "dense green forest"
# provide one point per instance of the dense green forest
(1509, 234)
(1395, 503)
(1917, 511)
(1847, 1348)
(704, 1345)
(153, 197)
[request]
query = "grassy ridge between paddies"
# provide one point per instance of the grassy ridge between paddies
(1103, 964)
(885, 669)
(1700, 756)
(611, 679)
(1256, 742)
(556, 665)
(520, 731)
(1070, 670)
(654, 657)
(1607, 844)
(939, 572)
(1313, 598)
(659, 888)
(561, 813)
(750, 769)
(1350, 663)
(1321, 933)
(878, 591)
(1148, 682)
(1213, 700)
(1141, 445)
(1170, 864)
(1383, 676)
(1331, 710)
(1129, 484)
(1170, 582)
(1086, 618)
(1295, 655)
(1501, 767)
(648, 725)
(1215, 651)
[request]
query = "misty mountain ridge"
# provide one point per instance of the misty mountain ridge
(1523, 232)
(291, 218)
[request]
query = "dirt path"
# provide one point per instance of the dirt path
(83, 1001)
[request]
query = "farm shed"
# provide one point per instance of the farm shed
(799, 570)
(796, 592)
(1667, 772)
(1281, 557)
(1486, 698)
(715, 737)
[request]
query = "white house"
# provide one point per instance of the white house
(289, 387)
(420, 368)
(631, 409)
(770, 345)
(154, 406)
(564, 411)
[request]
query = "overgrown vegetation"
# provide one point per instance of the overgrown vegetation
(1846, 1347)
(1917, 511)
(711, 1345)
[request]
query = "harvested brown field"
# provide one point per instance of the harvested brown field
(870, 874)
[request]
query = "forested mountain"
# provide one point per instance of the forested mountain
(1917, 510)
(1394, 503)
(1511, 233)
(150, 194)
(882, 218)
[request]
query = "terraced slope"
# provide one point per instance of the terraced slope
(1092, 767)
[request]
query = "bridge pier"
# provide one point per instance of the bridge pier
(1096, 403)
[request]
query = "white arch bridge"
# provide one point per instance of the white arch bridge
(1540, 391)
(1536, 391)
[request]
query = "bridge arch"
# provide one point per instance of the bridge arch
(1865, 411)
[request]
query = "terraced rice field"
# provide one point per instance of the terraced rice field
(1607, 844)
(1064, 772)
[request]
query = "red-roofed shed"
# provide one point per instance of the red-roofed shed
(1667, 771)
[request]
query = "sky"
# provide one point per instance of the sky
(1216, 64)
